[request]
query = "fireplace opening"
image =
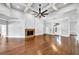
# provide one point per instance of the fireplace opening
(29, 33)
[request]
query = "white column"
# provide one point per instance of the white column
(0, 31)
(6, 28)
(44, 27)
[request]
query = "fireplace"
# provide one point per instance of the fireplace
(29, 33)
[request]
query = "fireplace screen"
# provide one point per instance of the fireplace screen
(29, 32)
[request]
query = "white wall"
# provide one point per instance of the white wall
(32, 22)
(0, 28)
(16, 29)
(63, 29)
(73, 27)
(77, 23)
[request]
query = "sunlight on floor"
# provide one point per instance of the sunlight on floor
(77, 39)
(39, 52)
(58, 39)
(54, 47)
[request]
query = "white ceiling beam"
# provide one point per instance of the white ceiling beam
(8, 5)
(53, 6)
(3, 21)
(60, 12)
(9, 20)
(22, 4)
(6, 11)
(28, 6)
(46, 8)
(32, 9)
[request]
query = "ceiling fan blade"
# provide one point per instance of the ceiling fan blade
(35, 11)
(37, 15)
(44, 11)
(42, 15)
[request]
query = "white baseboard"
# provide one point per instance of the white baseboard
(15, 36)
(38, 34)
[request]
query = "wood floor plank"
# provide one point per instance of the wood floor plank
(40, 45)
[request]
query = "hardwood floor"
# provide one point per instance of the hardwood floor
(40, 45)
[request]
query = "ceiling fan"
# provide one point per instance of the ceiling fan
(40, 13)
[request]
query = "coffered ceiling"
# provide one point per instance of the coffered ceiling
(52, 9)
(28, 7)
